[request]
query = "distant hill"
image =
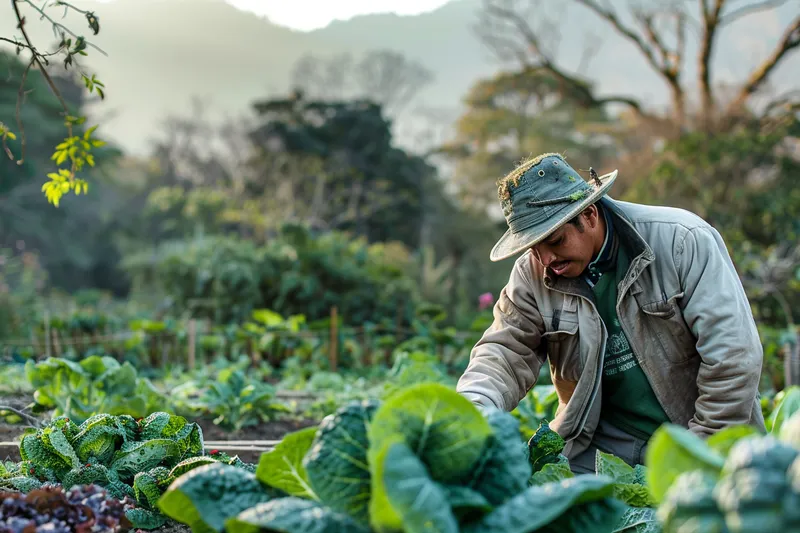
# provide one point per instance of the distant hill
(162, 52)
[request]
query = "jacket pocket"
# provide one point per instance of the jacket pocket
(665, 321)
(563, 346)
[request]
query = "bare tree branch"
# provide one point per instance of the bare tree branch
(32, 420)
(788, 103)
(391, 79)
(667, 62)
(709, 25)
(749, 10)
(609, 15)
(35, 58)
(501, 18)
(789, 41)
(590, 49)
(20, 97)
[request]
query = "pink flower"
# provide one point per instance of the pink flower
(485, 301)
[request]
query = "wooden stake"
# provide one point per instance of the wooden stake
(398, 324)
(47, 350)
(192, 336)
(166, 343)
(334, 338)
(57, 343)
(367, 346)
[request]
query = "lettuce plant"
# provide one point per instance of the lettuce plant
(236, 401)
(129, 458)
(96, 384)
(423, 460)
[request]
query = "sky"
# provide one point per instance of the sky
(312, 14)
(307, 15)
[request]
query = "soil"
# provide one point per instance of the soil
(272, 430)
(12, 432)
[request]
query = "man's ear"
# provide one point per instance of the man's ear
(592, 215)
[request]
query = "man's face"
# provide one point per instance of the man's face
(569, 250)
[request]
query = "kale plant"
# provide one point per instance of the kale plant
(137, 459)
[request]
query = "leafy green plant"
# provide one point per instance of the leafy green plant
(96, 384)
(736, 481)
(536, 407)
(425, 459)
(549, 465)
(786, 403)
(414, 367)
(12, 379)
(237, 401)
(269, 333)
(129, 458)
(76, 149)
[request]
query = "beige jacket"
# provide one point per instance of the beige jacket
(681, 305)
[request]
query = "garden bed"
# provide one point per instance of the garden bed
(271, 430)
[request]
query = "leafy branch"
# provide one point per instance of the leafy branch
(75, 150)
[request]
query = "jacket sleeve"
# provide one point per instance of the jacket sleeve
(504, 364)
(716, 309)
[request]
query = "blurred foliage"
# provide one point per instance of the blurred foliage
(28, 223)
(96, 384)
(77, 151)
(298, 272)
(743, 181)
(513, 114)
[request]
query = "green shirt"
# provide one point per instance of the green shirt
(629, 402)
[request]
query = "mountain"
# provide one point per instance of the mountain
(163, 52)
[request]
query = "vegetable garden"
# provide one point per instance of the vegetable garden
(213, 417)
(263, 435)
(281, 359)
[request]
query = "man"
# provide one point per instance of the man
(638, 308)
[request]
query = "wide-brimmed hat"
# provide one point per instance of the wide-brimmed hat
(540, 196)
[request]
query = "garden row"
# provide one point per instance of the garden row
(421, 459)
(264, 336)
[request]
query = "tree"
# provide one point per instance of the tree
(517, 113)
(27, 224)
(76, 150)
(660, 31)
(386, 77)
(333, 164)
